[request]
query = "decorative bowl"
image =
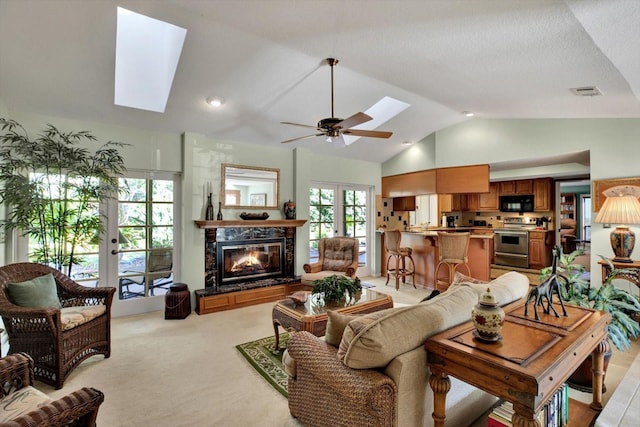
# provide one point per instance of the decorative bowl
(254, 216)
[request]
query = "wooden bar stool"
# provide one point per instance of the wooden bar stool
(400, 255)
(454, 248)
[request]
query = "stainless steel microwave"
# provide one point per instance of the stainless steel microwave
(516, 203)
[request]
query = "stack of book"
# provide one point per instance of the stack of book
(554, 414)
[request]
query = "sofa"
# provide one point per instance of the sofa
(568, 235)
(371, 370)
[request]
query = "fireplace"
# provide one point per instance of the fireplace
(244, 257)
(241, 261)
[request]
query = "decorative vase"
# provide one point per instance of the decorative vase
(219, 218)
(488, 318)
(290, 210)
(209, 213)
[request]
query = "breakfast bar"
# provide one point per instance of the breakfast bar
(425, 246)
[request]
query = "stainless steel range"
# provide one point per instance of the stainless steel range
(511, 243)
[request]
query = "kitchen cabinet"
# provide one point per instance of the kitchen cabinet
(540, 246)
(543, 194)
(516, 187)
(462, 179)
(404, 204)
(485, 202)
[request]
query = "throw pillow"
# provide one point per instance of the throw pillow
(39, 292)
(336, 323)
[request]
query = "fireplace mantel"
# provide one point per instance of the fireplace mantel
(251, 223)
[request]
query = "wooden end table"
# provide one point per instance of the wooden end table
(527, 366)
(633, 278)
(312, 315)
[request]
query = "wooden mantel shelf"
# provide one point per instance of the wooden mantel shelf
(251, 223)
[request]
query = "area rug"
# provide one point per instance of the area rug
(260, 355)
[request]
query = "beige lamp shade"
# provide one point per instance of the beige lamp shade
(624, 209)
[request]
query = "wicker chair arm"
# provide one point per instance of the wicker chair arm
(312, 268)
(76, 295)
(77, 408)
(351, 272)
(319, 358)
(32, 318)
(16, 372)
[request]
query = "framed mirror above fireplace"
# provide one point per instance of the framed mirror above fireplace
(250, 187)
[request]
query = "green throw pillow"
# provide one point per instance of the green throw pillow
(39, 292)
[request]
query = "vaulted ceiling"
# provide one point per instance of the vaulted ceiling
(497, 58)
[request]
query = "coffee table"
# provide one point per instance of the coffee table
(312, 315)
(531, 361)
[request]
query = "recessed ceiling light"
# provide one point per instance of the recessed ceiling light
(215, 101)
(468, 113)
(407, 142)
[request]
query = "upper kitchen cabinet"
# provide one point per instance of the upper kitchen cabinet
(543, 194)
(518, 187)
(484, 202)
(404, 204)
(409, 184)
(462, 179)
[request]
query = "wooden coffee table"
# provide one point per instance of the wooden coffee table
(312, 315)
(526, 367)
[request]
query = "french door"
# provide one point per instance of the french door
(341, 210)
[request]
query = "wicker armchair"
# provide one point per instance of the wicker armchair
(336, 256)
(39, 332)
(79, 408)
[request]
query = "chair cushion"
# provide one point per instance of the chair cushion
(338, 254)
(373, 340)
(38, 292)
(76, 316)
(21, 402)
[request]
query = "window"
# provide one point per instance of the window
(146, 239)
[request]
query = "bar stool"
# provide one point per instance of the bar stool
(392, 245)
(454, 248)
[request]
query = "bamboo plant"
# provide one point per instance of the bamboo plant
(52, 186)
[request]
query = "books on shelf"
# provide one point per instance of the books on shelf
(555, 413)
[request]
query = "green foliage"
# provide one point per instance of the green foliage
(52, 188)
(617, 302)
(336, 288)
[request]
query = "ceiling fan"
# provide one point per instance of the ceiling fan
(334, 127)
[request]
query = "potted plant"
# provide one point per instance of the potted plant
(52, 187)
(336, 288)
(622, 305)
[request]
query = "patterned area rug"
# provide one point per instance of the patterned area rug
(260, 355)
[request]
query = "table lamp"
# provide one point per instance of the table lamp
(621, 207)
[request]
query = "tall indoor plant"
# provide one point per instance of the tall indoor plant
(51, 187)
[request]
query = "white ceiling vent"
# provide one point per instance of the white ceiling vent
(586, 91)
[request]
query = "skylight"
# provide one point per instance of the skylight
(382, 111)
(147, 54)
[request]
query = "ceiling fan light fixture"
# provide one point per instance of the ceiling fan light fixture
(215, 101)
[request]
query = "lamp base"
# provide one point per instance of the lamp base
(622, 242)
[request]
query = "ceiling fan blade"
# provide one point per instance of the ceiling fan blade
(355, 120)
(301, 137)
(367, 133)
(298, 124)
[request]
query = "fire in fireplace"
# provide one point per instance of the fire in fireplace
(241, 261)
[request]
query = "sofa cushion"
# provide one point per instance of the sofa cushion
(336, 323)
(373, 340)
(507, 288)
(20, 402)
(38, 292)
(79, 315)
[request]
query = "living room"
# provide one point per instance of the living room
(195, 155)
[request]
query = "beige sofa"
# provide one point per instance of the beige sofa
(377, 374)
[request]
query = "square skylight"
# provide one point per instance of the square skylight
(382, 111)
(147, 54)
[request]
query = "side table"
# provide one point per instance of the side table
(526, 367)
(633, 278)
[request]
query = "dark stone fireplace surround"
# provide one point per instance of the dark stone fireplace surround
(243, 231)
